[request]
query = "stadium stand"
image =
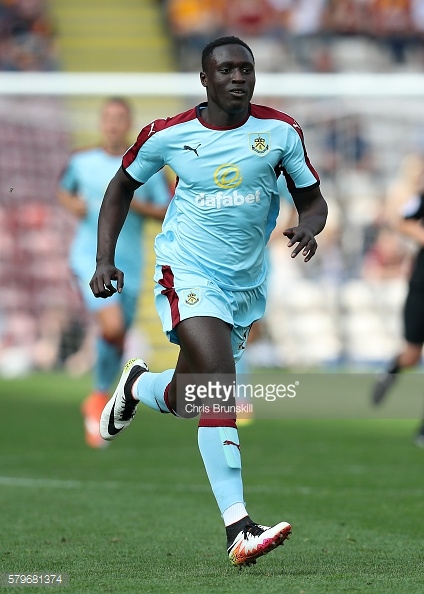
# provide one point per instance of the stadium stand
(334, 310)
(41, 315)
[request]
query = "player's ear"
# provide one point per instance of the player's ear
(203, 79)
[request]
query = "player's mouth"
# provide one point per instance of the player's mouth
(238, 92)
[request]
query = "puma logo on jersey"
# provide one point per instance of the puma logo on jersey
(229, 442)
(189, 148)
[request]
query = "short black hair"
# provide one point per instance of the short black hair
(228, 40)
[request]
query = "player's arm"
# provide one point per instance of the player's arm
(113, 212)
(148, 209)
(72, 202)
(67, 191)
(312, 209)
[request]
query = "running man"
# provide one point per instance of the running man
(81, 189)
(210, 266)
(408, 193)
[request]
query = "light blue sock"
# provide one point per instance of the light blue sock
(151, 387)
(108, 364)
(221, 457)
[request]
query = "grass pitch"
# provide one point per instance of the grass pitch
(139, 516)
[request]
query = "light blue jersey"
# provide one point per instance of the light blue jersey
(88, 174)
(226, 201)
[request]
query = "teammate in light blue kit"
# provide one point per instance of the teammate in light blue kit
(211, 268)
(81, 189)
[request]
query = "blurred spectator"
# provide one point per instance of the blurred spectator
(249, 18)
(308, 35)
(387, 258)
(262, 24)
(317, 36)
(391, 22)
(348, 17)
(26, 36)
(346, 146)
(192, 24)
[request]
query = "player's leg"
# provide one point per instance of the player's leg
(410, 356)
(109, 345)
(208, 346)
(177, 306)
(206, 349)
(107, 318)
(109, 342)
(159, 390)
(113, 318)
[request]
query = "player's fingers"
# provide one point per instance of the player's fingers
(310, 250)
(306, 245)
(102, 287)
(94, 286)
(109, 289)
(301, 241)
(291, 234)
(119, 280)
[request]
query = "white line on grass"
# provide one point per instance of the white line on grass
(30, 483)
(46, 483)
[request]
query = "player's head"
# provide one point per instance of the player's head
(115, 123)
(228, 74)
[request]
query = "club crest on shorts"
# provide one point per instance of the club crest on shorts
(260, 142)
(191, 296)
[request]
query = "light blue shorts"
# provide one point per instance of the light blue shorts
(180, 295)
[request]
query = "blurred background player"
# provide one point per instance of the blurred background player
(81, 190)
(406, 203)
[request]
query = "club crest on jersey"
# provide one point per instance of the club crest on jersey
(260, 142)
(191, 296)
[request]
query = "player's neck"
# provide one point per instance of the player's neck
(218, 118)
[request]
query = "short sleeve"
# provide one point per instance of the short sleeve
(296, 167)
(145, 157)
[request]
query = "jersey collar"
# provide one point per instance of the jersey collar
(205, 125)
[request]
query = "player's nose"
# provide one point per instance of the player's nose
(238, 75)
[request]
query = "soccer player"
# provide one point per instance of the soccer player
(211, 272)
(409, 222)
(81, 189)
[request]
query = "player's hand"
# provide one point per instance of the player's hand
(79, 207)
(305, 239)
(101, 283)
